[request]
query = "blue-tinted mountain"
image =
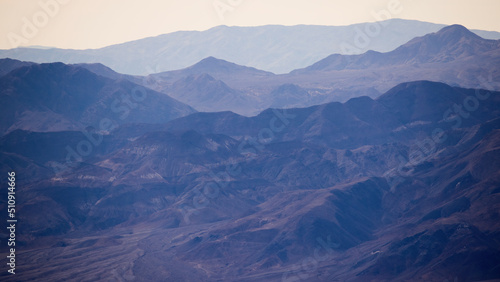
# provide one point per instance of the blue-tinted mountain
(279, 49)
(207, 94)
(451, 43)
(453, 55)
(342, 123)
(216, 67)
(105, 71)
(7, 65)
(289, 96)
(356, 183)
(55, 97)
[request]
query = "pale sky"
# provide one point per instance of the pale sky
(81, 24)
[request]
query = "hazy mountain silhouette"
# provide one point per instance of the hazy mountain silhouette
(220, 69)
(120, 179)
(54, 97)
(7, 65)
(207, 94)
(452, 55)
(216, 66)
(279, 49)
(357, 183)
(448, 44)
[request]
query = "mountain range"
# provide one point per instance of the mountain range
(56, 97)
(365, 167)
(354, 189)
(453, 55)
(451, 43)
(279, 49)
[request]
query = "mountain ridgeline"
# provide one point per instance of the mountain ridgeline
(56, 97)
(367, 167)
(274, 48)
(366, 182)
(453, 55)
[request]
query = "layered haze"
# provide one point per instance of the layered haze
(259, 153)
(278, 49)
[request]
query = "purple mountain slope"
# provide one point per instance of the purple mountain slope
(219, 198)
(54, 97)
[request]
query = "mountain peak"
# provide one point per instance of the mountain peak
(7, 65)
(213, 63)
(457, 31)
(455, 27)
(211, 59)
(453, 36)
(448, 44)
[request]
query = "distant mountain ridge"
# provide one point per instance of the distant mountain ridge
(357, 183)
(452, 55)
(448, 44)
(214, 65)
(278, 49)
(55, 97)
(417, 101)
(220, 69)
(208, 94)
(7, 65)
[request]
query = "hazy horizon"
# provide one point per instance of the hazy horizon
(152, 36)
(363, 144)
(77, 24)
